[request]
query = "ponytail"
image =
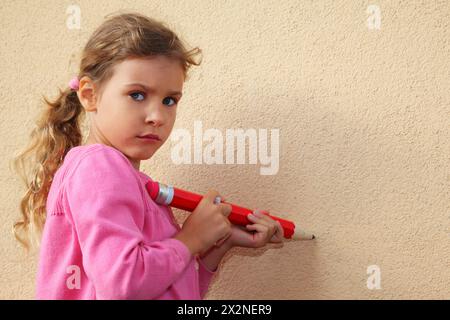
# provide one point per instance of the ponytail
(56, 131)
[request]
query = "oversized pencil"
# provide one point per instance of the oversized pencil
(186, 200)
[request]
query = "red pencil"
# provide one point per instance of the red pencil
(186, 200)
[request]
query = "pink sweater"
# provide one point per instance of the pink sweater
(105, 238)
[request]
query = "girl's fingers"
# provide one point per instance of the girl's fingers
(257, 220)
(264, 219)
(278, 235)
(264, 215)
(260, 237)
(280, 230)
(260, 213)
(257, 227)
(260, 218)
(264, 234)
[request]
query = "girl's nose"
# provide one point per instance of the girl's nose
(155, 116)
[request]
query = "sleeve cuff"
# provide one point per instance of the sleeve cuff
(203, 266)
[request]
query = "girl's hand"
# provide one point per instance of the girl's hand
(263, 230)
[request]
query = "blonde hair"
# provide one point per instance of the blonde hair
(57, 130)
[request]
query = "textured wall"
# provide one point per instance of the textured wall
(363, 114)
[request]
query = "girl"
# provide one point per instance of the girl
(104, 237)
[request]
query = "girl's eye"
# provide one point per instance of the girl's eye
(134, 94)
(165, 100)
(170, 98)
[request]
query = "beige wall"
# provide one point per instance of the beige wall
(363, 115)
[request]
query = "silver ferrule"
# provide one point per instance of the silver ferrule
(165, 194)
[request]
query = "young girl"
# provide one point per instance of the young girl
(104, 237)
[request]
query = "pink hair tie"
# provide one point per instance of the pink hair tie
(74, 83)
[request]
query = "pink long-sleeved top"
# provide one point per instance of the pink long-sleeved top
(105, 238)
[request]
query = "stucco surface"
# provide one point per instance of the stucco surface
(363, 119)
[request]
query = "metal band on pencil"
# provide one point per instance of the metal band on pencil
(217, 200)
(170, 196)
(165, 194)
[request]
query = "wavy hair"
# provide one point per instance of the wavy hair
(58, 128)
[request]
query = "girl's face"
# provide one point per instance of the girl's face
(140, 98)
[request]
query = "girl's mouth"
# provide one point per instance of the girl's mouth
(150, 137)
(149, 140)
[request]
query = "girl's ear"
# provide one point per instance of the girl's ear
(86, 94)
